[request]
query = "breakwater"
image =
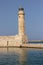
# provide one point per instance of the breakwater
(39, 46)
(12, 42)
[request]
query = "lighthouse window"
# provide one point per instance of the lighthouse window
(19, 16)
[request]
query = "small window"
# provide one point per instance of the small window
(19, 16)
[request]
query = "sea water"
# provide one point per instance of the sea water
(21, 56)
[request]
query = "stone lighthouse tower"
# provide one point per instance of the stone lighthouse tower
(21, 25)
(21, 16)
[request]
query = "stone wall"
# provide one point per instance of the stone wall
(7, 40)
(3, 43)
(10, 40)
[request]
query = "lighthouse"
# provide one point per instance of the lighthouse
(21, 25)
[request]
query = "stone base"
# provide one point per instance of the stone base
(37, 46)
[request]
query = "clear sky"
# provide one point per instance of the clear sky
(33, 17)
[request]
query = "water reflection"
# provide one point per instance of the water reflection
(21, 56)
(14, 55)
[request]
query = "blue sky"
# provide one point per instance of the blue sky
(33, 17)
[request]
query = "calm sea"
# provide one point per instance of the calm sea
(21, 56)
